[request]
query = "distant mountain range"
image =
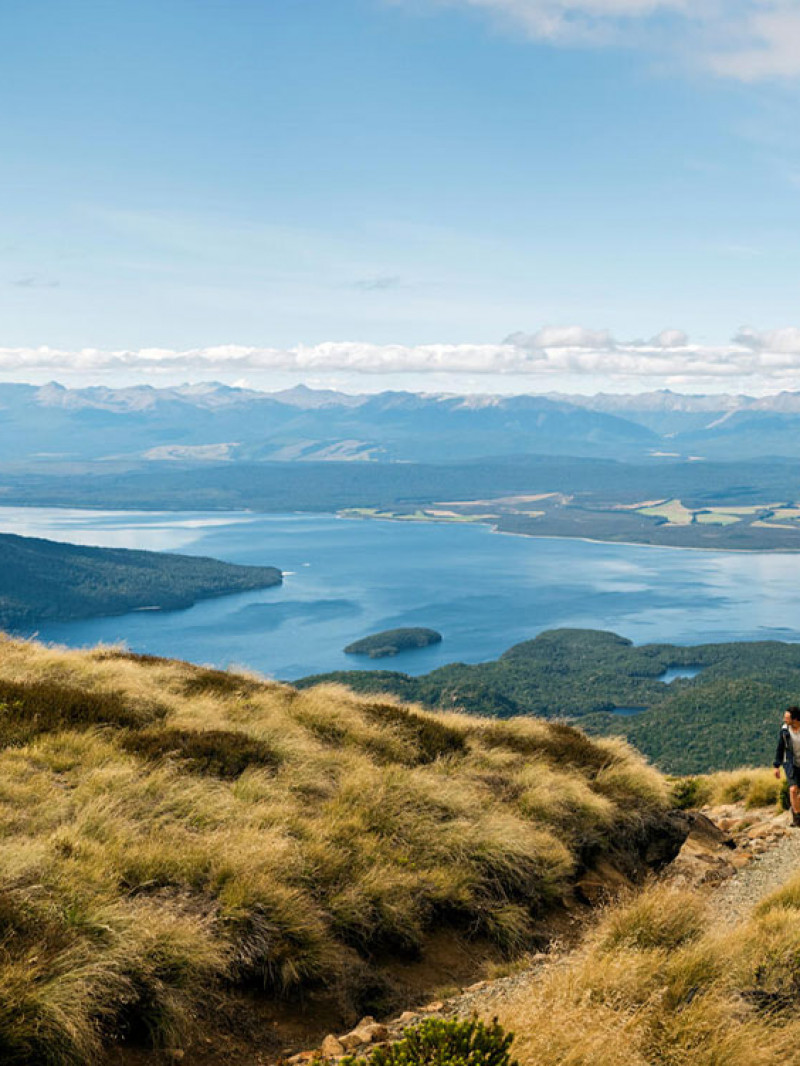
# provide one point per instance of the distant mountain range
(213, 422)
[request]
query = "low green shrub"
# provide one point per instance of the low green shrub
(28, 709)
(689, 793)
(440, 1042)
(219, 683)
(217, 752)
(430, 738)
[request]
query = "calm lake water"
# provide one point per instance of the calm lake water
(346, 578)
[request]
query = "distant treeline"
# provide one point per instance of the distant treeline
(330, 486)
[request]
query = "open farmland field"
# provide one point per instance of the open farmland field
(716, 518)
(716, 524)
(673, 511)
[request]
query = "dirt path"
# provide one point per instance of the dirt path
(734, 899)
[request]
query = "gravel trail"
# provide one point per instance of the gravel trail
(734, 899)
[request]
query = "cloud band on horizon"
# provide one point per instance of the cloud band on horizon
(670, 356)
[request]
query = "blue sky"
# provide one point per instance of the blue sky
(363, 189)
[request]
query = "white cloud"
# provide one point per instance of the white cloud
(562, 337)
(749, 40)
(575, 20)
(772, 48)
(760, 358)
(670, 338)
(784, 341)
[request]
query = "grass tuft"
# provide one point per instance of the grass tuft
(753, 788)
(33, 707)
(431, 738)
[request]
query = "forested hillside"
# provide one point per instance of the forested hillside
(45, 580)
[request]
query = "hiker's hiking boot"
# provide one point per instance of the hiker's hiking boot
(796, 819)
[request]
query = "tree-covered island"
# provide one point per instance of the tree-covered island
(393, 641)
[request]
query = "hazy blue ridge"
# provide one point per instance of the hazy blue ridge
(52, 423)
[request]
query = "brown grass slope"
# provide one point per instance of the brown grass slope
(663, 983)
(171, 836)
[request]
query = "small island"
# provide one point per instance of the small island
(392, 641)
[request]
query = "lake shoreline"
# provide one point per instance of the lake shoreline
(339, 514)
(494, 528)
(482, 594)
(646, 544)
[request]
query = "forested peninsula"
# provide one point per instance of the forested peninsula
(43, 580)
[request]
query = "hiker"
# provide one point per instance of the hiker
(788, 756)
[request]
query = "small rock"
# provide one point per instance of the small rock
(301, 1057)
(761, 832)
(476, 986)
(331, 1047)
(350, 1041)
(431, 1008)
(406, 1017)
(739, 861)
(368, 1034)
(379, 1032)
(728, 824)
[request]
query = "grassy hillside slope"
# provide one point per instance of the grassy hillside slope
(45, 580)
(176, 840)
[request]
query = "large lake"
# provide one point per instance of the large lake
(483, 591)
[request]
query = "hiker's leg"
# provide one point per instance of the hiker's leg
(794, 798)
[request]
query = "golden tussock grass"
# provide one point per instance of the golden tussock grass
(167, 832)
(659, 983)
(752, 788)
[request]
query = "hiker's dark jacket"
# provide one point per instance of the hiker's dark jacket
(784, 752)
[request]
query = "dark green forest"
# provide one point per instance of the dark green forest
(41, 580)
(727, 716)
(330, 486)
